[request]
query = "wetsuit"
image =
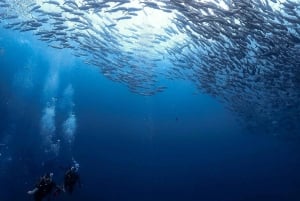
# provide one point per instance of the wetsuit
(70, 179)
(45, 188)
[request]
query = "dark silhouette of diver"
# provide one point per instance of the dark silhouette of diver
(70, 179)
(44, 188)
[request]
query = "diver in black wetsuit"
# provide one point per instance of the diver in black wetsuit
(70, 179)
(44, 188)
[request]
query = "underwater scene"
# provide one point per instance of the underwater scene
(149, 100)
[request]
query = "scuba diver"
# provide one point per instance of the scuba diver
(45, 187)
(71, 178)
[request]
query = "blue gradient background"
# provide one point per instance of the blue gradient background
(174, 146)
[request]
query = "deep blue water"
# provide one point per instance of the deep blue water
(173, 146)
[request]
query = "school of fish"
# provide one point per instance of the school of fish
(245, 53)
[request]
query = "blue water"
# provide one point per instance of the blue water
(174, 146)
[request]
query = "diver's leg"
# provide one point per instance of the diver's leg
(71, 189)
(38, 197)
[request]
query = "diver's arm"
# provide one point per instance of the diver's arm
(59, 188)
(33, 191)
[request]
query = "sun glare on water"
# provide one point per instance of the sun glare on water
(143, 25)
(140, 29)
